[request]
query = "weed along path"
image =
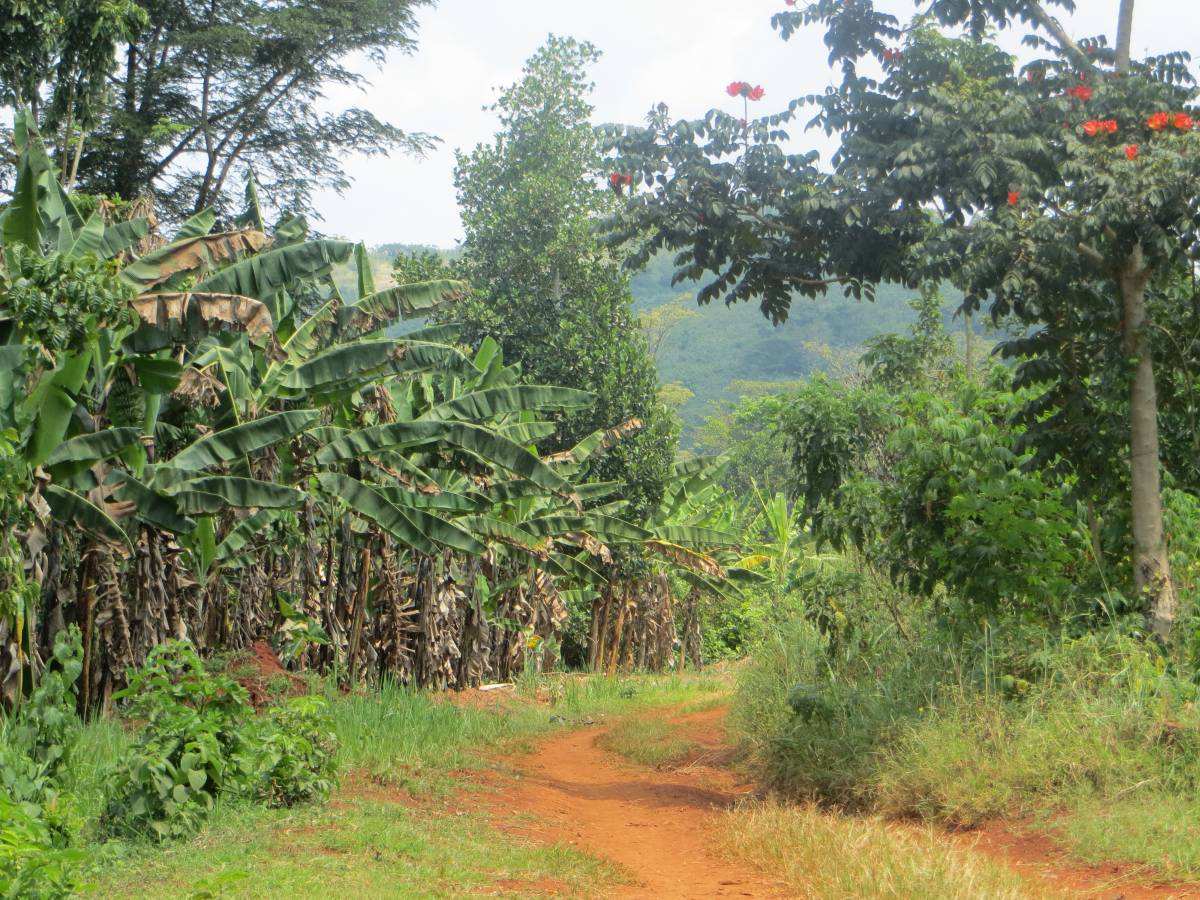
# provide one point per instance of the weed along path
(654, 824)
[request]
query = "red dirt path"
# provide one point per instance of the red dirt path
(653, 824)
(657, 825)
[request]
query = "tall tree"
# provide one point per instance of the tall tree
(56, 58)
(1061, 193)
(546, 290)
(208, 88)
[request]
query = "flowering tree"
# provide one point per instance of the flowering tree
(1062, 192)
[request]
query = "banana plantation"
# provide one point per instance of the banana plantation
(202, 437)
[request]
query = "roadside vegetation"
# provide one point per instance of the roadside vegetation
(369, 788)
(822, 856)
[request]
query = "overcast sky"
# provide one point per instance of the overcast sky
(682, 52)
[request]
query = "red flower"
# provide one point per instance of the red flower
(1109, 125)
(737, 88)
(892, 55)
(1158, 121)
(757, 94)
(1092, 128)
(619, 182)
(1081, 92)
(1132, 151)
(1184, 122)
(1014, 197)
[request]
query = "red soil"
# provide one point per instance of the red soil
(654, 824)
(259, 671)
(657, 825)
(1038, 858)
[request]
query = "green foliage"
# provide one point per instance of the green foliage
(297, 753)
(261, 66)
(724, 354)
(896, 715)
(59, 299)
(191, 747)
(45, 723)
(38, 821)
(966, 509)
(1065, 191)
(69, 46)
(833, 430)
(749, 435)
(936, 489)
(32, 864)
(199, 741)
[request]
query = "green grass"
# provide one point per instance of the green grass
(821, 855)
(649, 742)
(359, 845)
(1153, 826)
(393, 828)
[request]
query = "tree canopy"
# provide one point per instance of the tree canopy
(556, 301)
(1059, 192)
(177, 100)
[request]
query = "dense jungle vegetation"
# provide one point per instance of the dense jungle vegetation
(264, 498)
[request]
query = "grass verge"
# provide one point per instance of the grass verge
(392, 828)
(821, 855)
(649, 742)
(1093, 737)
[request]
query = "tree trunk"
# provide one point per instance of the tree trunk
(1151, 565)
(1124, 35)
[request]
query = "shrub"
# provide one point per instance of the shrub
(45, 723)
(189, 748)
(200, 741)
(297, 753)
(961, 732)
(37, 822)
(32, 865)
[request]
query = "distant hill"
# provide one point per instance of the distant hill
(721, 353)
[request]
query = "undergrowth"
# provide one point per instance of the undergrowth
(1095, 736)
(393, 828)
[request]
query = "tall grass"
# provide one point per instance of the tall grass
(1085, 729)
(817, 855)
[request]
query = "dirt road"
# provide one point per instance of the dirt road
(657, 825)
(654, 824)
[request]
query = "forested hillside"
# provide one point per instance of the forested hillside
(720, 353)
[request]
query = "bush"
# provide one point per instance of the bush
(188, 750)
(959, 733)
(37, 822)
(200, 741)
(1104, 719)
(815, 709)
(32, 864)
(297, 753)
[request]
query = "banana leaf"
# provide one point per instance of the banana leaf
(240, 440)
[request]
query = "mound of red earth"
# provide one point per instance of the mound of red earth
(260, 672)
